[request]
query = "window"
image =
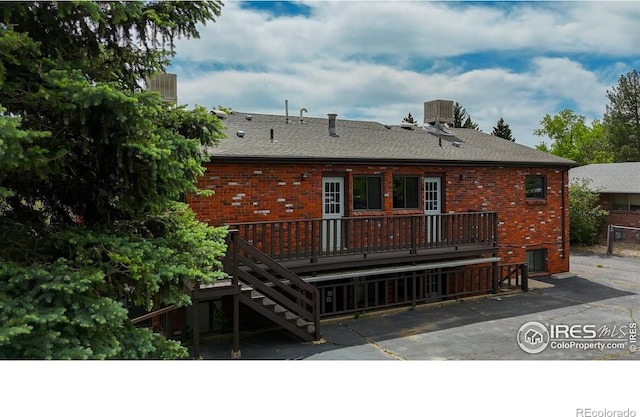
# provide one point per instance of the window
(367, 192)
(405, 192)
(535, 187)
(625, 202)
(537, 260)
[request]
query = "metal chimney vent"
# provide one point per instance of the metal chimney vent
(166, 85)
(440, 111)
(332, 123)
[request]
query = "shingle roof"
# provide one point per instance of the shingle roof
(610, 178)
(362, 141)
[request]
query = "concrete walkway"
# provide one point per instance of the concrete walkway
(602, 292)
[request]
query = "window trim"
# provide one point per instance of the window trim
(417, 191)
(543, 189)
(366, 197)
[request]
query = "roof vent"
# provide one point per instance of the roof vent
(220, 114)
(240, 133)
(456, 144)
(438, 111)
(249, 116)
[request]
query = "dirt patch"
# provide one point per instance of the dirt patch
(624, 249)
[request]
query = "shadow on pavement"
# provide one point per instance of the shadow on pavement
(354, 332)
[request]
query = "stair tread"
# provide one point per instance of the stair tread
(290, 316)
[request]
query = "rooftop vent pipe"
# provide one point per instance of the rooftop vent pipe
(286, 111)
(332, 123)
(301, 111)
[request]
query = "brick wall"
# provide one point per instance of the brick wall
(265, 192)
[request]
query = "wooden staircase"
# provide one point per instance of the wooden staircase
(273, 291)
(278, 314)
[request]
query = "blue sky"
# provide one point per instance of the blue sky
(380, 60)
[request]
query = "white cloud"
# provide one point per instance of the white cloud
(519, 61)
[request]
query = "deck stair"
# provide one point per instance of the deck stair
(274, 291)
(277, 313)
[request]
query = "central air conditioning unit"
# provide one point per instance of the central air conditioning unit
(438, 111)
(166, 85)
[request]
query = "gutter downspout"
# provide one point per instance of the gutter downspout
(565, 210)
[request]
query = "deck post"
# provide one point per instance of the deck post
(195, 324)
(525, 278)
(414, 248)
(235, 350)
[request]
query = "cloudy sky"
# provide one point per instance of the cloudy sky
(380, 60)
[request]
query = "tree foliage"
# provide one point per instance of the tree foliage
(503, 130)
(622, 117)
(586, 216)
(92, 171)
(461, 118)
(409, 120)
(573, 139)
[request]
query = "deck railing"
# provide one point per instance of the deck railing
(410, 288)
(314, 238)
(514, 275)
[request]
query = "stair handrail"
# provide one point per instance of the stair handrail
(518, 271)
(255, 257)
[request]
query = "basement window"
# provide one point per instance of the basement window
(535, 187)
(537, 260)
(405, 192)
(367, 192)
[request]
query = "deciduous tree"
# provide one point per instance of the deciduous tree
(573, 139)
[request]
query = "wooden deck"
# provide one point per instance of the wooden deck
(357, 241)
(294, 272)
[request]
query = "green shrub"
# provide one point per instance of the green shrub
(586, 217)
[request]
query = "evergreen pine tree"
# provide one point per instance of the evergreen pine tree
(502, 130)
(92, 170)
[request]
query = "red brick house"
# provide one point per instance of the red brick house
(373, 216)
(619, 191)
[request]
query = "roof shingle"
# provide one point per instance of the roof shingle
(610, 178)
(362, 141)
